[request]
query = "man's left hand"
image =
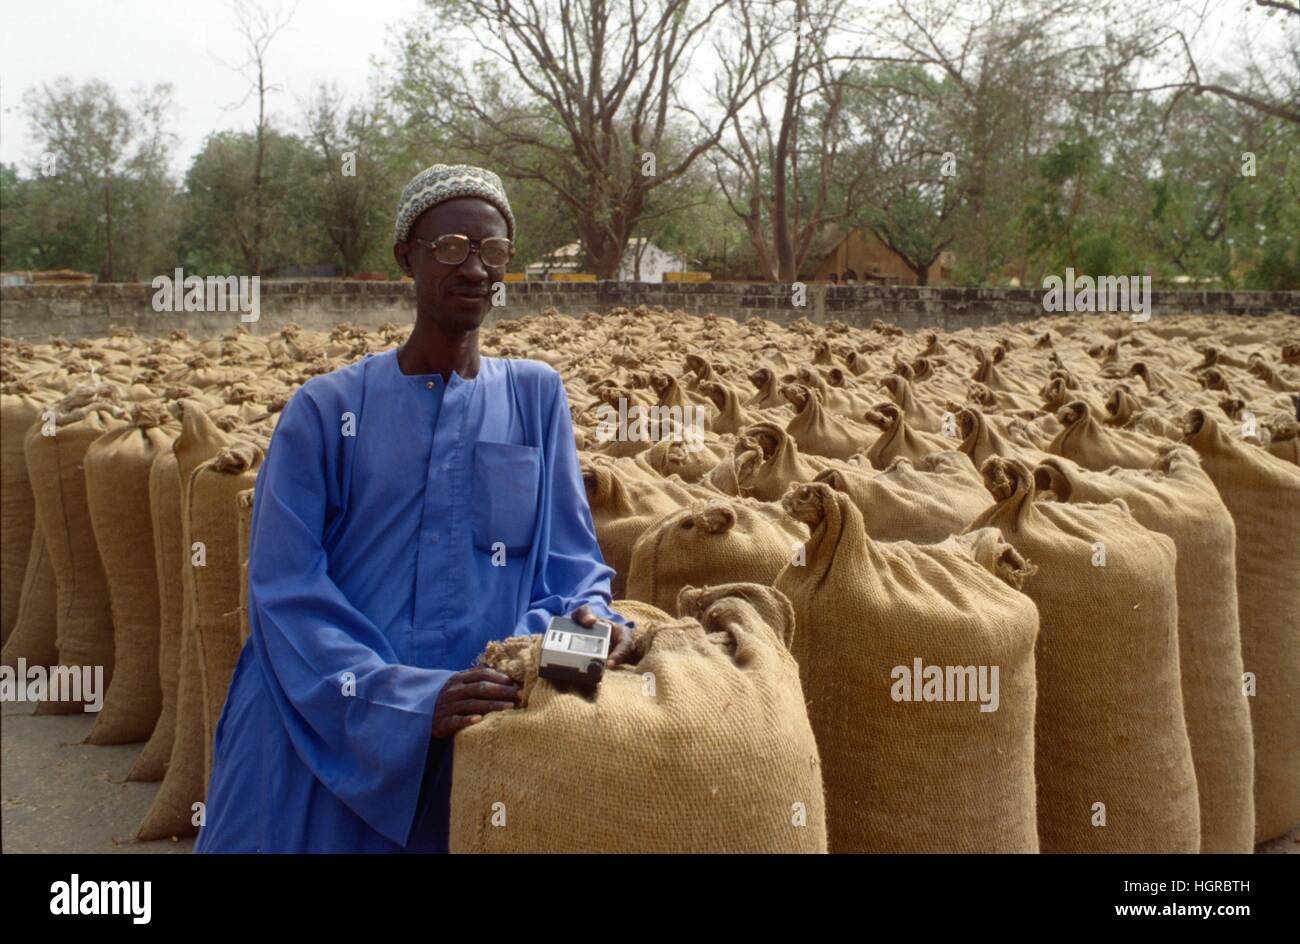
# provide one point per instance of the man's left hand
(621, 647)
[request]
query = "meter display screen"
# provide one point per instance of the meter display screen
(587, 644)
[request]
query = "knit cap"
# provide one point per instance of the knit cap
(443, 182)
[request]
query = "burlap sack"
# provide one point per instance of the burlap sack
(18, 411)
(914, 775)
(720, 540)
(1098, 447)
(244, 500)
(54, 463)
(623, 505)
(819, 432)
(184, 783)
(35, 635)
(923, 501)
(1262, 492)
(898, 439)
(117, 489)
(767, 461)
(1110, 726)
(212, 520)
(1176, 497)
(170, 560)
(703, 745)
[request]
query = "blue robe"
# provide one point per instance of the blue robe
(400, 524)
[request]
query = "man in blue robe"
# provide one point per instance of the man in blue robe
(413, 507)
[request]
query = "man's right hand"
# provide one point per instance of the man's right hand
(468, 696)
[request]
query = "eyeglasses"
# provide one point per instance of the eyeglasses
(453, 249)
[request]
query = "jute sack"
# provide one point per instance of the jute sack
(1098, 447)
(898, 439)
(212, 520)
(923, 501)
(172, 812)
(18, 411)
(1110, 726)
(117, 489)
(767, 462)
(623, 505)
(716, 541)
(703, 745)
(244, 501)
(981, 441)
(1176, 497)
(818, 431)
(34, 637)
(915, 775)
(170, 560)
(84, 621)
(1262, 493)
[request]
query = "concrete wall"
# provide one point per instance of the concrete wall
(35, 313)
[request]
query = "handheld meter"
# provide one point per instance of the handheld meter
(573, 653)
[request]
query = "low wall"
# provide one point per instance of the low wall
(35, 312)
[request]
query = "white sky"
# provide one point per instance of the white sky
(130, 43)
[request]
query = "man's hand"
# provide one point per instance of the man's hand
(621, 646)
(468, 696)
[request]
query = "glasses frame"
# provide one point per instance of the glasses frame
(474, 246)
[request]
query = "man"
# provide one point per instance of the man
(413, 506)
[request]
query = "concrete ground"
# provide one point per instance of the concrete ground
(59, 795)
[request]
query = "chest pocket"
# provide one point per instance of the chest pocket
(507, 479)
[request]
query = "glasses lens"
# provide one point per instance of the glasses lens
(495, 251)
(451, 250)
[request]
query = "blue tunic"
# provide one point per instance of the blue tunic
(400, 524)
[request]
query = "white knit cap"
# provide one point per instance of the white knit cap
(443, 182)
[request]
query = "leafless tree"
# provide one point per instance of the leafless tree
(257, 27)
(582, 96)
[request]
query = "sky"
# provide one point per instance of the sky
(130, 43)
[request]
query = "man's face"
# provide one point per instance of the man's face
(455, 297)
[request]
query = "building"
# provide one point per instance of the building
(862, 256)
(654, 262)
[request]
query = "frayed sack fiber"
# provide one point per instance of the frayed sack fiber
(701, 745)
(910, 767)
(1113, 760)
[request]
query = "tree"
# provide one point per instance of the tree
(113, 156)
(576, 95)
(258, 28)
(777, 171)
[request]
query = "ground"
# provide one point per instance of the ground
(59, 795)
